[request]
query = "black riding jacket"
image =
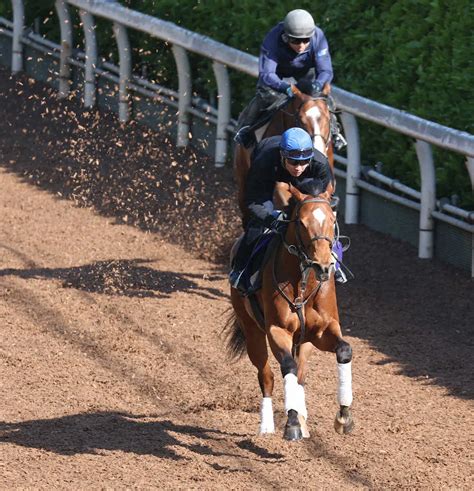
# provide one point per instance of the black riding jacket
(266, 170)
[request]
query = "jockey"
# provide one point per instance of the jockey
(287, 158)
(292, 51)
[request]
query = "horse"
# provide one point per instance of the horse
(298, 310)
(310, 112)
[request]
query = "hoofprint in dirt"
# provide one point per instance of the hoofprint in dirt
(114, 373)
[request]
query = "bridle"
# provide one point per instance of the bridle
(296, 115)
(306, 265)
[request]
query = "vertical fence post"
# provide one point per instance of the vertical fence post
(65, 25)
(18, 26)
(125, 57)
(184, 91)
(428, 199)
(88, 25)
(223, 112)
(470, 169)
(351, 132)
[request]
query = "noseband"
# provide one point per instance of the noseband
(300, 250)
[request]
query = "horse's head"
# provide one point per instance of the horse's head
(313, 112)
(314, 223)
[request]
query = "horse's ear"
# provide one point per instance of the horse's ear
(296, 193)
(327, 88)
(296, 91)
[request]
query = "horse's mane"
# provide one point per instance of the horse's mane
(310, 186)
(306, 86)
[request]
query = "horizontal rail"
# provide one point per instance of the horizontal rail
(395, 119)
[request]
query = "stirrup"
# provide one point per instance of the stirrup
(245, 136)
(340, 276)
(339, 141)
(235, 278)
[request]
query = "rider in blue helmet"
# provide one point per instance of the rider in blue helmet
(287, 158)
(294, 51)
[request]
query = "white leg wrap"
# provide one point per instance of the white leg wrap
(344, 391)
(266, 416)
(294, 395)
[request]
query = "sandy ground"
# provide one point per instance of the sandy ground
(113, 295)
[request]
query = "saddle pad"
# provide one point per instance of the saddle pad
(260, 256)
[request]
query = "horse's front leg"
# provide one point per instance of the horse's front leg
(303, 353)
(281, 342)
(331, 340)
(344, 423)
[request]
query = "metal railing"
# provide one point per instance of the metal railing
(424, 132)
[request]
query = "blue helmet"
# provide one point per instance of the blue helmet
(296, 144)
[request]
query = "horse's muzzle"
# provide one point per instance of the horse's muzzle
(323, 272)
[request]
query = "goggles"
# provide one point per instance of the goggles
(298, 40)
(296, 163)
(298, 154)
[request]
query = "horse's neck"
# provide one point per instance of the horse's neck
(287, 260)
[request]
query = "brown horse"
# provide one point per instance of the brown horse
(299, 311)
(310, 113)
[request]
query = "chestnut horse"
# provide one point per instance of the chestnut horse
(298, 310)
(310, 113)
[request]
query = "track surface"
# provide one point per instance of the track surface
(113, 294)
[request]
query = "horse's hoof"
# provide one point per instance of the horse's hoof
(267, 430)
(293, 433)
(344, 424)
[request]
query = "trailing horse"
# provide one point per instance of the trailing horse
(295, 309)
(310, 112)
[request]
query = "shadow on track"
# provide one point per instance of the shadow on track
(121, 277)
(93, 433)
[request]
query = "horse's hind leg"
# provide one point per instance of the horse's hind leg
(257, 351)
(258, 354)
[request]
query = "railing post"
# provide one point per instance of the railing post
(88, 25)
(65, 25)
(470, 169)
(428, 199)
(351, 132)
(223, 112)
(18, 26)
(125, 58)
(184, 90)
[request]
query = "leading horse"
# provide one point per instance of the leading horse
(308, 111)
(298, 310)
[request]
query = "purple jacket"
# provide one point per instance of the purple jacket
(277, 60)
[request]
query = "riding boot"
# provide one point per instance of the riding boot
(257, 113)
(247, 118)
(244, 253)
(240, 262)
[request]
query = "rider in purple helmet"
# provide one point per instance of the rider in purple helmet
(294, 51)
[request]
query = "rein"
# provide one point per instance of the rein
(306, 265)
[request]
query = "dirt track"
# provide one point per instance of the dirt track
(113, 293)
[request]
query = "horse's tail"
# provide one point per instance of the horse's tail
(236, 345)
